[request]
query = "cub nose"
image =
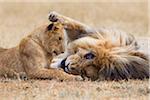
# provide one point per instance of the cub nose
(63, 63)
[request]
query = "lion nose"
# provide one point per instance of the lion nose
(63, 64)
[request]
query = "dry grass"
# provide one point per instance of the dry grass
(18, 19)
(53, 90)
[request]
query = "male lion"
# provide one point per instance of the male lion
(105, 60)
(103, 54)
(34, 53)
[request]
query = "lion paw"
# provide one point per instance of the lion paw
(53, 16)
(56, 17)
(71, 78)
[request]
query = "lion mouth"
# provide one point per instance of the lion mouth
(67, 70)
(64, 67)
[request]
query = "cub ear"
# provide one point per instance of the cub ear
(50, 27)
(53, 27)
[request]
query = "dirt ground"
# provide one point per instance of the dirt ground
(17, 20)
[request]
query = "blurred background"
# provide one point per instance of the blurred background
(18, 19)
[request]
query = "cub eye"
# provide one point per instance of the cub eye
(60, 38)
(89, 56)
(56, 28)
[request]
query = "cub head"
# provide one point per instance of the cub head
(53, 38)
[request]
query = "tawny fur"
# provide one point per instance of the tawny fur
(117, 55)
(111, 62)
(34, 53)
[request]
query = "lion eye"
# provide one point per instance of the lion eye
(60, 38)
(55, 52)
(89, 56)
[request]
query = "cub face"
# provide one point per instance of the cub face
(54, 39)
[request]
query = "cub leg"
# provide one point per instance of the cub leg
(51, 74)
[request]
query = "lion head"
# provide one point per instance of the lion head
(98, 59)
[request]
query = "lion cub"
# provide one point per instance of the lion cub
(34, 53)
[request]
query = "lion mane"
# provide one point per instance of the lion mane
(111, 61)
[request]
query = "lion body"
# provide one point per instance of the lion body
(113, 54)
